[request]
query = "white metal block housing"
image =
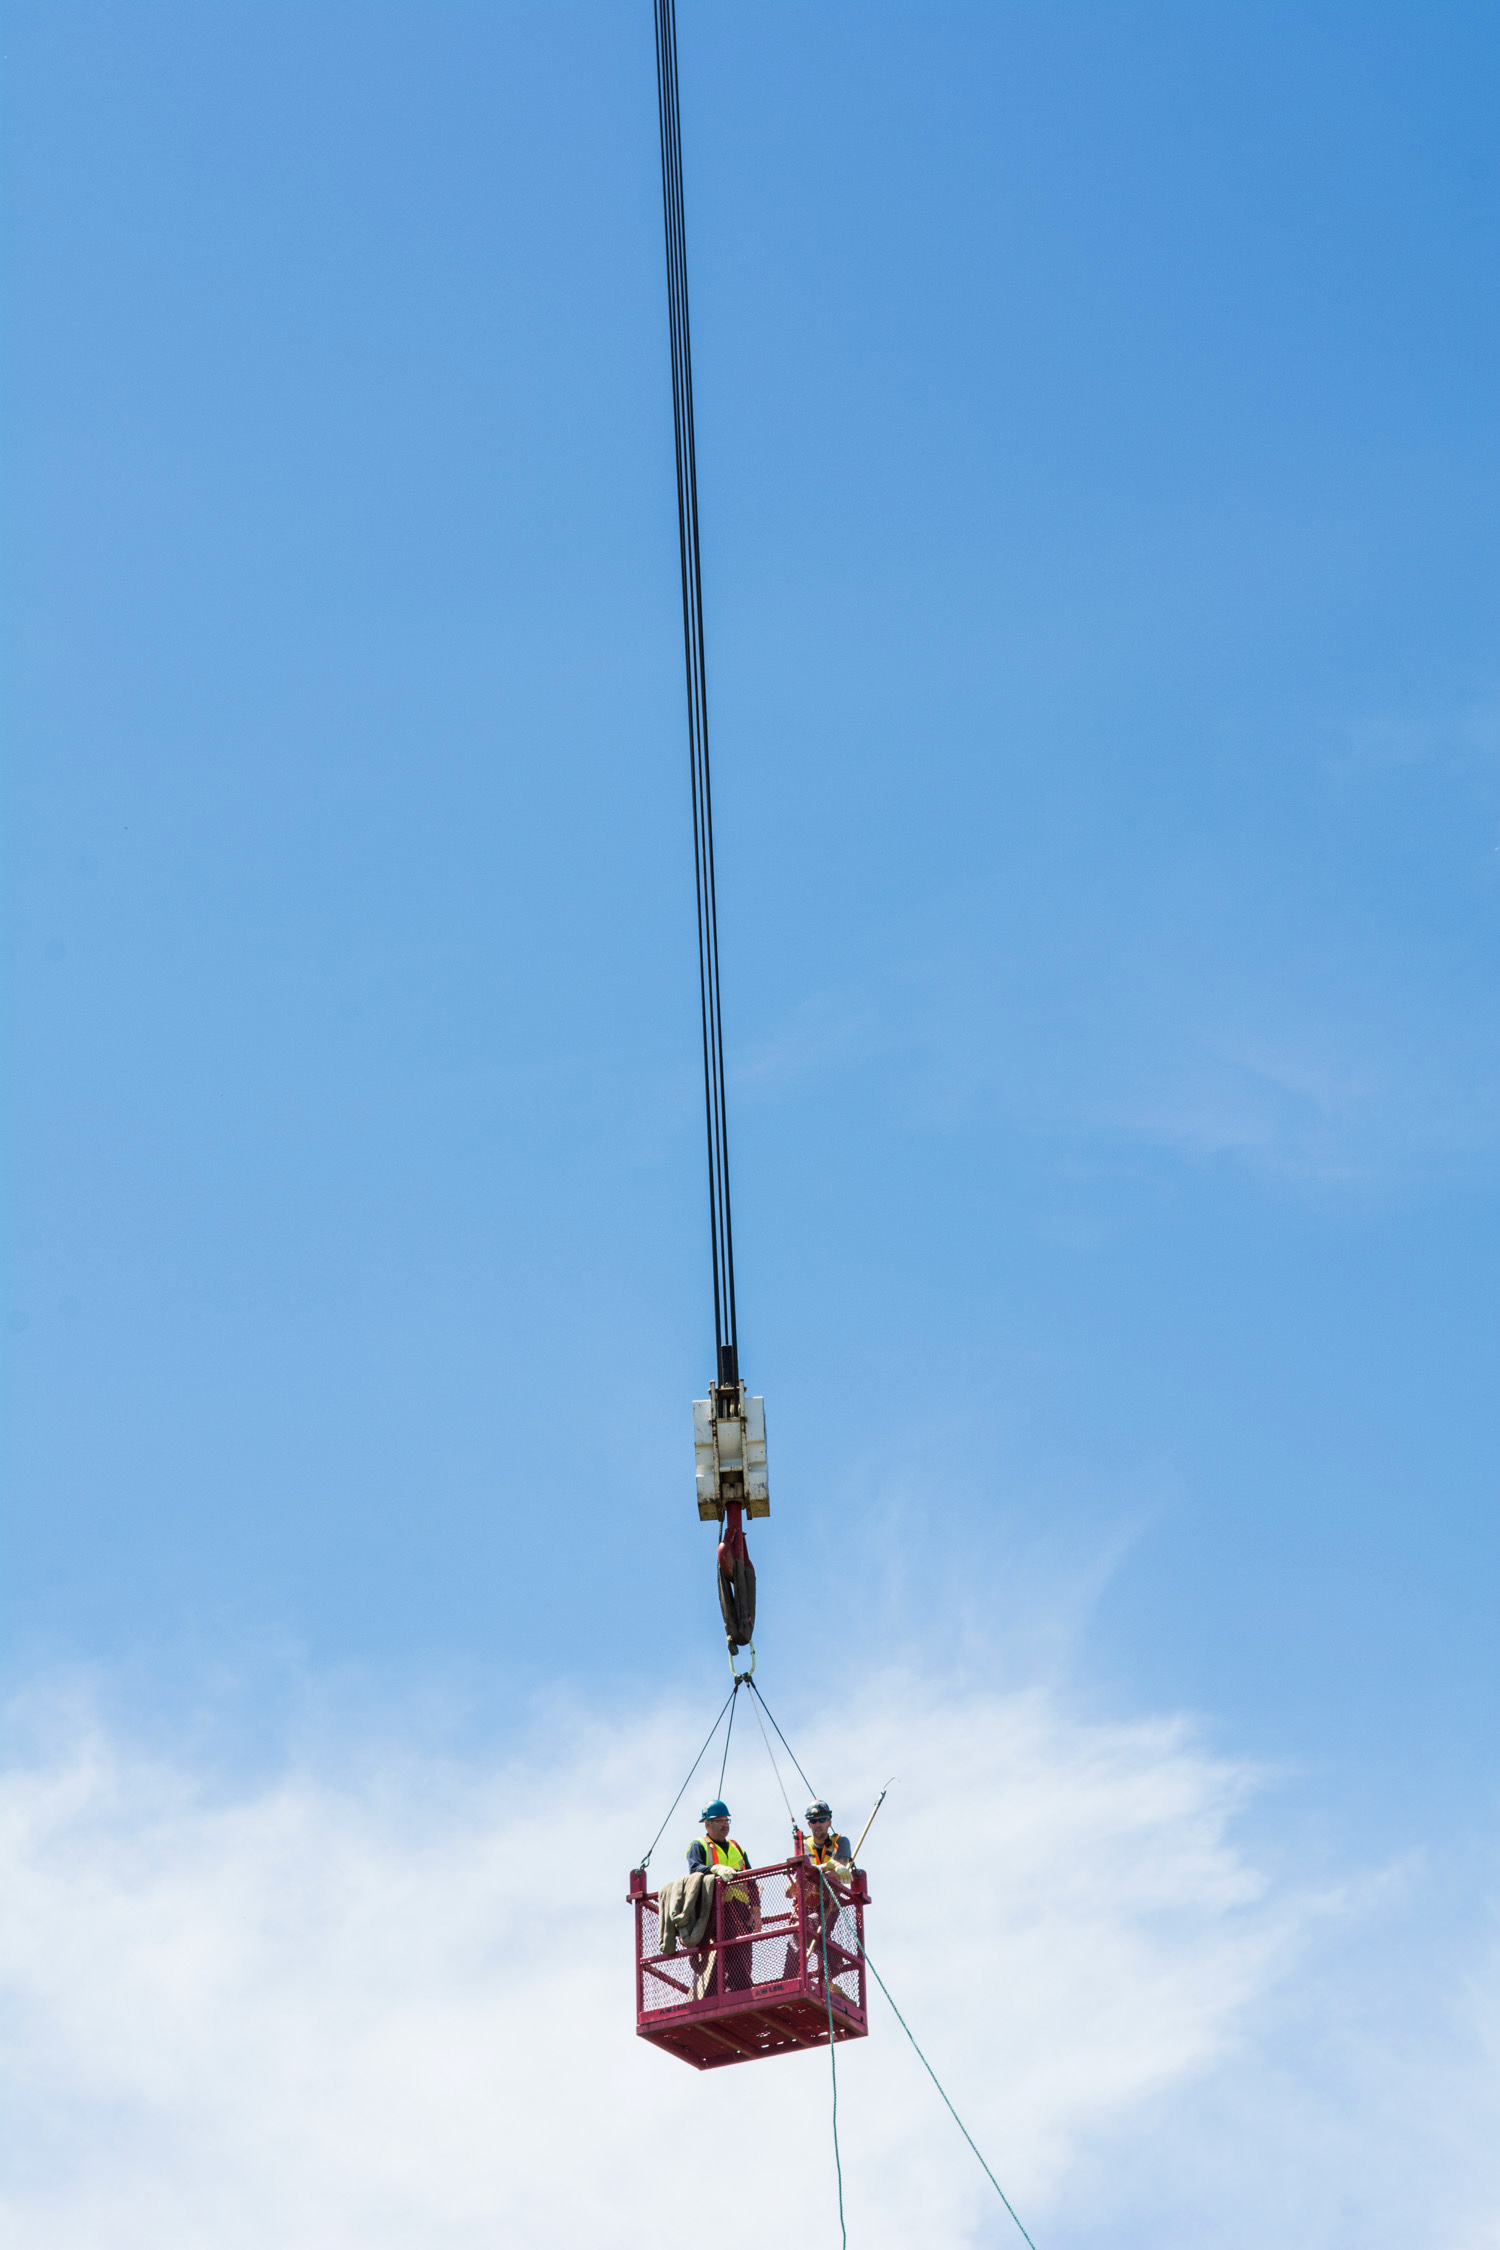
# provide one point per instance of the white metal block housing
(730, 1450)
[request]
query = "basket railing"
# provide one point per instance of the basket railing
(772, 1930)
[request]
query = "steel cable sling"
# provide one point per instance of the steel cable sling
(721, 1237)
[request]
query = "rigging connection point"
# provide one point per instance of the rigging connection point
(729, 1448)
(736, 1585)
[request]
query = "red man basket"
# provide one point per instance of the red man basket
(755, 1987)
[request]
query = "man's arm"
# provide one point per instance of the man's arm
(697, 1855)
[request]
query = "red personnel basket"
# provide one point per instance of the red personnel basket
(752, 1991)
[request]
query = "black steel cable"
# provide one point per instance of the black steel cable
(721, 1235)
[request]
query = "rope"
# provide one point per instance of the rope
(926, 2065)
(781, 1738)
(833, 2063)
(645, 1859)
(833, 2058)
(895, 2011)
(721, 1237)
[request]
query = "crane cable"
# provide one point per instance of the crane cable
(721, 1233)
(721, 1237)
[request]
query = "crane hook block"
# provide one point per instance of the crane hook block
(729, 1440)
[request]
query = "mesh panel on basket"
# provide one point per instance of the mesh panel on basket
(670, 1986)
(777, 1965)
(669, 1982)
(844, 1937)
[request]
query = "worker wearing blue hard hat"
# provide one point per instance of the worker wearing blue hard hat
(716, 1847)
(740, 1905)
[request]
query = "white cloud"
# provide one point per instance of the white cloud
(391, 2003)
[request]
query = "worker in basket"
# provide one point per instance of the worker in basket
(741, 1901)
(824, 1846)
(833, 1853)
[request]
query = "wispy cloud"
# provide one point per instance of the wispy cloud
(1291, 1108)
(828, 1031)
(391, 2004)
(1466, 738)
(1349, 1079)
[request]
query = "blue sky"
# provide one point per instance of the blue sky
(1097, 443)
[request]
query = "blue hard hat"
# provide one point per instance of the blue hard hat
(718, 1810)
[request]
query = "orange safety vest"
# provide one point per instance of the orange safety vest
(728, 1855)
(830, 1849)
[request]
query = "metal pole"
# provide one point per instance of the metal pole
(869, 1824)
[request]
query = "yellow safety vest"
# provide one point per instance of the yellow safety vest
(830, 1849)
(728, 1855)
